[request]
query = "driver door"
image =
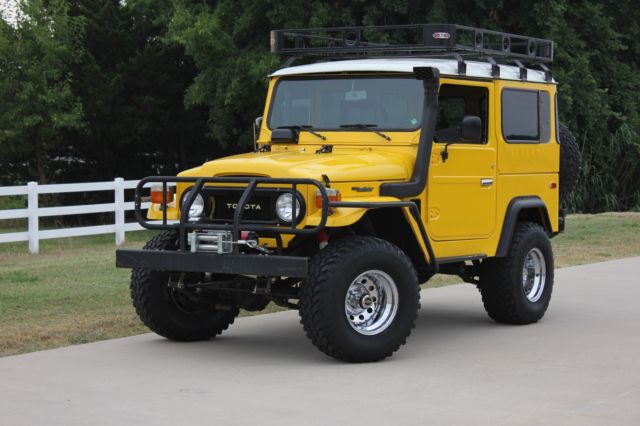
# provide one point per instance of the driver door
(461, 195)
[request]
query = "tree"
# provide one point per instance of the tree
(96, 88)
(132, 83)
(227, 44)
(597, 51)
(38, 106)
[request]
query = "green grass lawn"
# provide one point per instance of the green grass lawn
(72, 293)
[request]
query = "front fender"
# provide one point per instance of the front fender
(345, 216)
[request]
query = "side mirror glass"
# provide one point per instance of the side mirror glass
(471, 129)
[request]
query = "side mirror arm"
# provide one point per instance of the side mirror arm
(445, 152)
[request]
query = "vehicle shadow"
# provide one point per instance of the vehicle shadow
(279, 338)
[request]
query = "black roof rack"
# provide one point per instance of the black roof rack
(424, 40)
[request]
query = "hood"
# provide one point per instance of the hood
(342, 165)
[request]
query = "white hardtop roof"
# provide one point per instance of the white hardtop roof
(446, 66)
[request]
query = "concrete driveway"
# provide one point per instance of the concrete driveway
(580, 365)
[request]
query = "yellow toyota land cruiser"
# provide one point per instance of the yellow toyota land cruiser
(391, 154)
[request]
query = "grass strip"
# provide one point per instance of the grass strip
(71, 293)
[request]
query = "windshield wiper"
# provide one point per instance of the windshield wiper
(369, 127)
(305, 128)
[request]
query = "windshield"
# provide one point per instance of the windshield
(386, 103)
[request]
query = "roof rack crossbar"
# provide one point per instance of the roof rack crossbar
(410, 40)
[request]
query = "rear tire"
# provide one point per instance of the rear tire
(517, 289)
(361, 299)
(176, 315)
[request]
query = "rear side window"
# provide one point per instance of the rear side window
(526, 116)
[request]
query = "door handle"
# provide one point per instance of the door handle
(486, 182)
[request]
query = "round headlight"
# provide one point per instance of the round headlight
(197, 207)
(284, 207)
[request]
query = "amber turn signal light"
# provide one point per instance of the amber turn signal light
(156, 194)
(332, 195)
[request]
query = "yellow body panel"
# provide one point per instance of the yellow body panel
(155, 211)
(345, 164)
(345, 216)
(463, 217)
(524, 158)
(459, 208)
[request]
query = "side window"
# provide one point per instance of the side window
(526, 116)
(451, 112)
(454, 103)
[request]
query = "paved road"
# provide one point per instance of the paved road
(579, 365)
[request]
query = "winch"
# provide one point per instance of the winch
(221, 242)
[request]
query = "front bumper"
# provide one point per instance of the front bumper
(245, 264)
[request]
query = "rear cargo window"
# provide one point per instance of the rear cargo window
(526, 116)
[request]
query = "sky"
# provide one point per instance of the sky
(8, 9)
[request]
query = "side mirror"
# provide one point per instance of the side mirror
(256, 128)
(284, 136)
(471, 129)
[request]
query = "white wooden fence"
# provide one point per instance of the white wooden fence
(33, 213)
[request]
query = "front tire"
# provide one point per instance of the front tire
(361, 299)
(517, 289)
(175, 314)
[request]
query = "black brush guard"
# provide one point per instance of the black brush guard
(236, 262)
(184, 225)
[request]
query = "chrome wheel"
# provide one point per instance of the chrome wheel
(371, 302)
(534, 272)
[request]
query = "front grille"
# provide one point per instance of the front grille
(259, 209)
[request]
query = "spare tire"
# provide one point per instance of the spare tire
(570, 158)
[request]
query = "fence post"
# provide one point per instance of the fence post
(32, 210)
(119, 210)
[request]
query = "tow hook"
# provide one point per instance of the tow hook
(254, 245)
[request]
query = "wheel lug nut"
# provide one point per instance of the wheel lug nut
(366, 301)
